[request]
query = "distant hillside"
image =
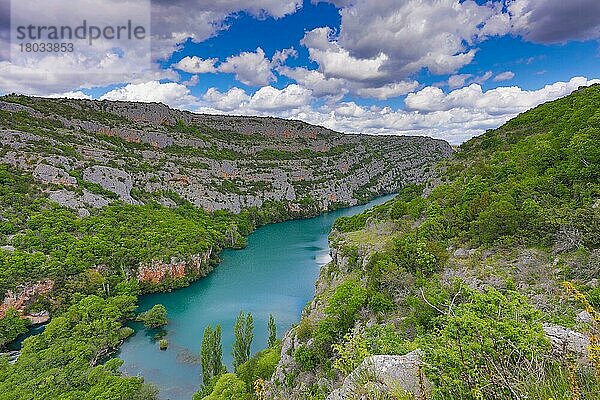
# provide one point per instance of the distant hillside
(91, 152)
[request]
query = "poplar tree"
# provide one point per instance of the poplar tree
(211, 354)
(272, 331)
(244, 334)
(206, 354)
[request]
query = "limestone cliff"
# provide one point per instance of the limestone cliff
(90, 153)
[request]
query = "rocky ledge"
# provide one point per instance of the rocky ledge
(384, 374)
(25, 296)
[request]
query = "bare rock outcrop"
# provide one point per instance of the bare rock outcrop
(50, 174)
(79, 202)
(113, 180)
(384, 374)
(24, 296)
(566, 340)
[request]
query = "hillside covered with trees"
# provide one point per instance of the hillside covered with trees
(482, 271)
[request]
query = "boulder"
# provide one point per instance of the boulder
(565, 340)
(384, 373)
(38, 318)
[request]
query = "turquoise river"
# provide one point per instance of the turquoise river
(275, 274)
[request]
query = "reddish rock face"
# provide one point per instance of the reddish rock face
(127, 135)
(25, 296)
(157, 271)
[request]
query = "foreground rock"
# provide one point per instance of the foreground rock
(566, 341)
(385, 374)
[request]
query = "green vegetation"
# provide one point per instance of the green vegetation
(474, 354)
(163, 344)
(64, 109)
(155, 317)
(244, 334)
(11, 326)
(247, 383)
(52, 242)
(272, 331)
(66, 360)
(227, 387)
(532, 185)
(211, 356)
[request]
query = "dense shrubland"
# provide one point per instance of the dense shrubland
(52, 242)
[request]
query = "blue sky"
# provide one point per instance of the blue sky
(443, 68)
(534, 64)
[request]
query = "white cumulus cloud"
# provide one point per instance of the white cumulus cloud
(269, 98)
(231, 100)
(170, 93)
(250, 68)
(196, 65)
(265, 101)
(499, 101)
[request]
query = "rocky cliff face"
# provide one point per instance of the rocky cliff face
(290, 381)
(156, 272)
(90, 153)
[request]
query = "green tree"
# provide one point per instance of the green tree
(260, 366)
(155, 317)
(211, 354)
(11, 326)
(228, 387)
(243, 330)
(272, 331)
(64, 362)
